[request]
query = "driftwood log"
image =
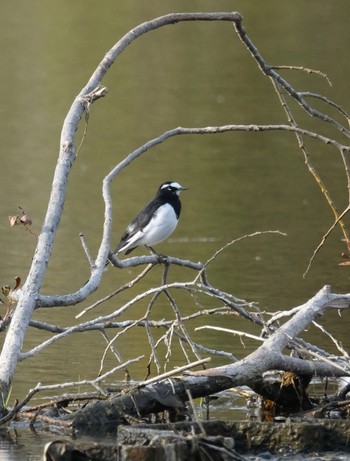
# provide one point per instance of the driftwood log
(173, 393)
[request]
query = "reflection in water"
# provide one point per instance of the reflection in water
(189, 75)
(22, 445)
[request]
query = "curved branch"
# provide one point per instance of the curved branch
(101, 259)
(28, 297)
(269, 71)
(91, 285)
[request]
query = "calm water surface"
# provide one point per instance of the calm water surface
(185, 75)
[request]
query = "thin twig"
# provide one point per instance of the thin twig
(154, 356)
(87, 251)
(324, 238)
(39, 388)
(174, 372)
(124, 287)
(242, 334)
(233, 242)
(270, 72)
(176, 310)
(194, 412)
(313, 171)
(333, 339)
(305, 69)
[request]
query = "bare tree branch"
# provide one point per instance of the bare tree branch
(268, 356)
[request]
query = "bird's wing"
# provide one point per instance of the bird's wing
(134, 230)
(129, 242)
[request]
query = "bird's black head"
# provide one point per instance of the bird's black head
(170, 189)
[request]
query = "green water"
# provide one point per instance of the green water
(185, 75)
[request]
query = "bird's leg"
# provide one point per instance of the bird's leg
(161, 258)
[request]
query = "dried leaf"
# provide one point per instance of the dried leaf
(25, 220)
(18, 282)
(13, 220)
(21, 218)
(6, 290)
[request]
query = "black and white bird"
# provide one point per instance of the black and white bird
(156, 222)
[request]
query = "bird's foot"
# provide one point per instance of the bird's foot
(163, 259)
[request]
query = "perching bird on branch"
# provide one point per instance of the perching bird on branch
(156, 222)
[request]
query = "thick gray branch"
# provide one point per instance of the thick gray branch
(154, 398)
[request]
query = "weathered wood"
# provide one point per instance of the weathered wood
(106, 416)
(172, 393)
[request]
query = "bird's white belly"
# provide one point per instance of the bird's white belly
(160, 227)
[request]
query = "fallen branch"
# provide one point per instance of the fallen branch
(173, 393)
